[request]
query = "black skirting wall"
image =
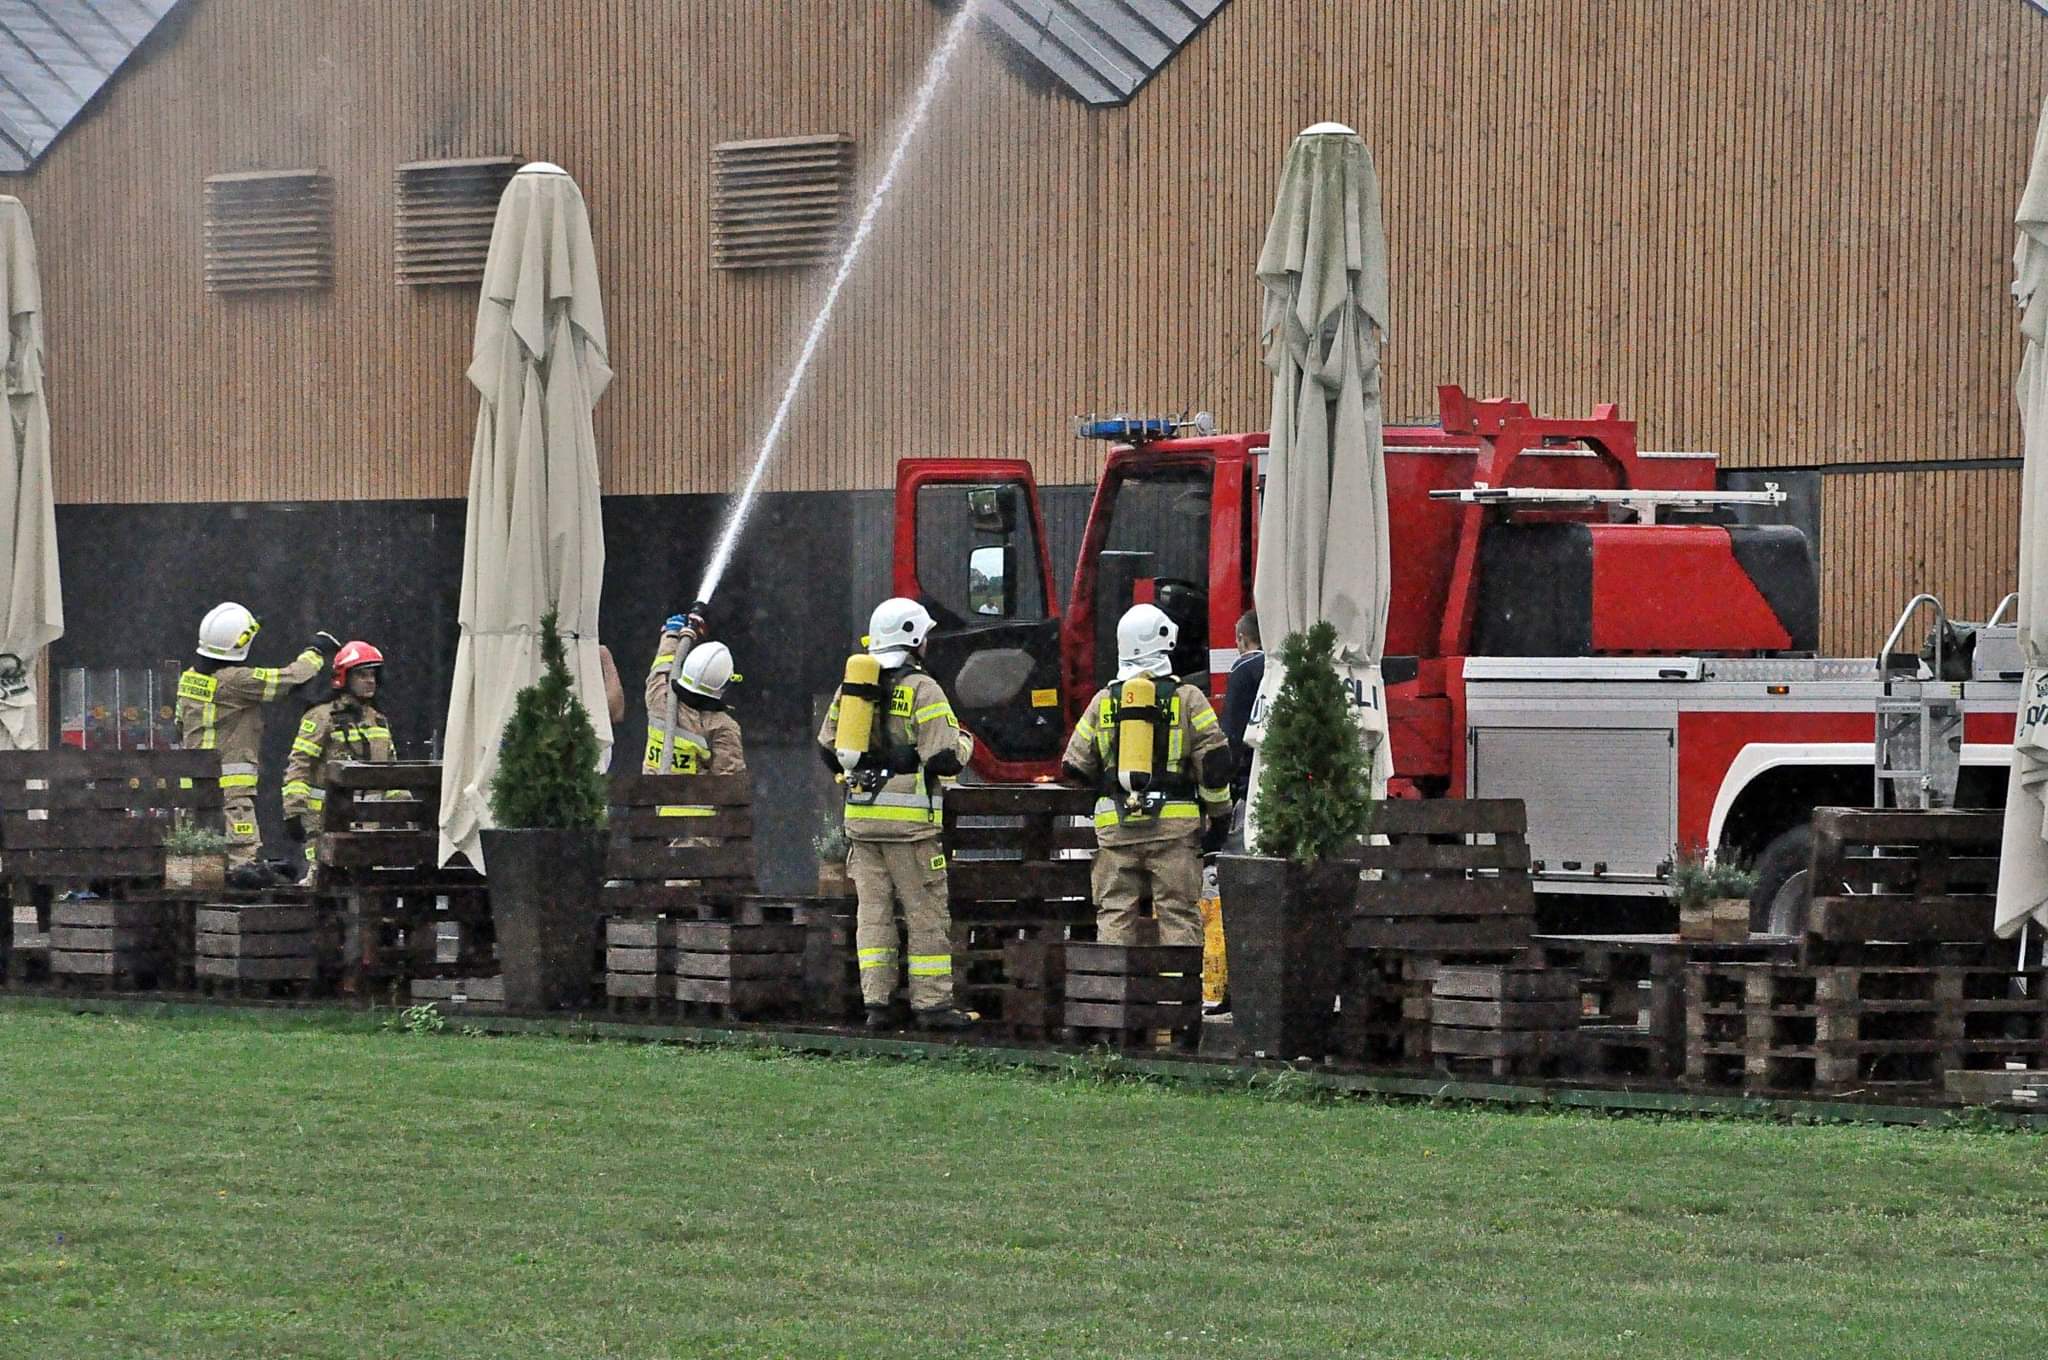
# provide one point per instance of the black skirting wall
(138, 578)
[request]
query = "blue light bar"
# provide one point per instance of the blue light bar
(1126, 429)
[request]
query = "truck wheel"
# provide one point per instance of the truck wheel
(1784, 889)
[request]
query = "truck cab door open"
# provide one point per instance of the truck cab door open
(977, 559)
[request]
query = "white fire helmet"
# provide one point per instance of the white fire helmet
(226, 632)
(706, 670)
(897, 628)
(1145, 639)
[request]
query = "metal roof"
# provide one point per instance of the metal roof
(1102, 50)
(55, 55)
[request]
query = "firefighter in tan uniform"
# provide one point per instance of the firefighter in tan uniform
(346, 727)
(892, 736)
(220, 709)
(1159, 757)
(689, 730)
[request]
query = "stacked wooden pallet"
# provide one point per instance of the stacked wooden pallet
(639, 965)
(1017, 870)
(1034, 996)
(260, 947)
(831, 963)
(1503, 1020)
(738, 958)
(1132, 995)
(1888, 875)
(116, 945)
(1859, 1028)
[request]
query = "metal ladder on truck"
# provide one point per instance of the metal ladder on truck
(1919, 750)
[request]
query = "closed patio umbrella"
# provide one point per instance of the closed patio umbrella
(1323, 526)
(535, 539)
(2023, 862)
(30, 594)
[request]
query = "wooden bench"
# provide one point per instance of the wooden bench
(1907, 877)
(93, 822)
(378, 857)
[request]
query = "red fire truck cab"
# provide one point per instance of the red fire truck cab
(1574, 622)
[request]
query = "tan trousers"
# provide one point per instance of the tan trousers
(1171, 869)
(910, 876)
(240, 816)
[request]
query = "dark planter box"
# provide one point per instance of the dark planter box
(1284, 927)
(544, 887)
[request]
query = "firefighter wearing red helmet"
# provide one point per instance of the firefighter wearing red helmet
(346, 727)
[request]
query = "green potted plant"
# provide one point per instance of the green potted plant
(1285, 907)
(832, 846)
(195, 858)
(1712, 897)
(544, 860)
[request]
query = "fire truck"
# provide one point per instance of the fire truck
(1574, 622)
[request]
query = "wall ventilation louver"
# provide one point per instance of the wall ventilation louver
(781, 201)
(445, 213)
(269, 229)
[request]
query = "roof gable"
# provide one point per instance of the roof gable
(1102, 50)
(55, 56)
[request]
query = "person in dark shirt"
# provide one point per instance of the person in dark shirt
(1245, 676)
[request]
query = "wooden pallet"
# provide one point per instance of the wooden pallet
(1453, 876)
(258, 948)
(1031, 1004)
(485, 993)
(678, 842)
(111, 944)
(1383, 1009)
(1904, 876)
(737, 970)
(1503, 1021)
(831, 963)
(1842, 1029)
(639, 966)
(98, 818)
(1130, 995)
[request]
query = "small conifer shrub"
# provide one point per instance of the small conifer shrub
(547, 777)
(1315, 792)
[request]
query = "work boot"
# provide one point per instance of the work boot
(879, 1019)
(946, 1018)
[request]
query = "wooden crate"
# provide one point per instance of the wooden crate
(1502, 1020)
(1129, 995)
(639, 965)
(735, 970)
(1851, 1029)
(259, 947)
(1904, 876)
(1452, 877)
(112, 944)
(678, 840)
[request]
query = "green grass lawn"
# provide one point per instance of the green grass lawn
(221, 1187)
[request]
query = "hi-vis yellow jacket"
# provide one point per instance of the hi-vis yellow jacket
(338, 730)
(908, 807)
(224, 712)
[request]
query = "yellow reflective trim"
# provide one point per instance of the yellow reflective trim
(833, 712)
(931, 965)
(306, 748)
(238, 781)
(293, 786)
(932, 711)
(876, 812)
(316, 804)
(1204, 720)
(1107, 814)
(673, 810)
(184, 783)
(374, 733)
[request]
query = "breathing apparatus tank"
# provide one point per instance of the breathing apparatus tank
(1137, 714)
(860, 695)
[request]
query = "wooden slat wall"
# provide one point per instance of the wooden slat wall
(1776, 228)
(1886, 536)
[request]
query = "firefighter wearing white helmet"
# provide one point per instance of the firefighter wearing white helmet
(220, 708)
(893, 739)
(345, 726)
(688, 730)
(1153, 749)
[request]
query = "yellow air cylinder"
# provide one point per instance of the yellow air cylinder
(861, 686)
(1134, 733)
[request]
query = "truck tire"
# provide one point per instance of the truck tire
(1783, 894)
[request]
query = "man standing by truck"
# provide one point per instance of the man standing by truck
(891, 736)
(1152, 747)
(220, 709)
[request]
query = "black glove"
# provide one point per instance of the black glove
(327, 644)
(1215, 834)
(903, 760)
(295, 830)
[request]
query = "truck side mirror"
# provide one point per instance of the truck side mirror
(993, 509)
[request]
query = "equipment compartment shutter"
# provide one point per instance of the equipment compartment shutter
(446, 210)
(269, 229)
(779, 202)
(1595, 795)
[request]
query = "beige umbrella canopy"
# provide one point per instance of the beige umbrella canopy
(30, 594)
(2023, 864)
(535, 538)
(1323, 526)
